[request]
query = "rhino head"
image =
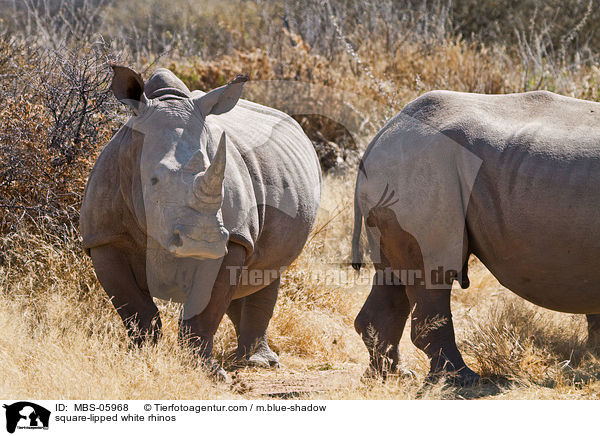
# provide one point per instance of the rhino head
(181, 174)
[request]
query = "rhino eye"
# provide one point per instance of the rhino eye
(154, 180)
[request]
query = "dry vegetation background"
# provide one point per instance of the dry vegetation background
(60, 336)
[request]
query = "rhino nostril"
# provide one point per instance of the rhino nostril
(176, 239)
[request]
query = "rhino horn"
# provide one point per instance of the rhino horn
(208, 186)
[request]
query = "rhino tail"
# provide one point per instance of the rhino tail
(357, 255)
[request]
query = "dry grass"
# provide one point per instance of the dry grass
(61, 338)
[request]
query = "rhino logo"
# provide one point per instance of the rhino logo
(26, 415)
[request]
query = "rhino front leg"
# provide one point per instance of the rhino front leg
(234, 312)
(380, 323)
(593, 322)
(133, 303)
(199, 330)
(257, 310)
(432, 331)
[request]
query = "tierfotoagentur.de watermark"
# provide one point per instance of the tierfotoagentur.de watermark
(336, 276)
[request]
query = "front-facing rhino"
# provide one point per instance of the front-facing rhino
(169, 212)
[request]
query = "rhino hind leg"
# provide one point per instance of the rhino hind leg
(255, 312)
(432, 331)
(133, 304)
(593, 322)
(380, 324)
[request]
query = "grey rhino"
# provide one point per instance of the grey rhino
(168, 213)
(512, 179)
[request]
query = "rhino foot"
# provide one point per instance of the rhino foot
(265, 358)
(466, 377)
(216, 372)
(372, 373)
(262, 357)
(463, 378)
(405, 373)
(259, 355)
(220, 376)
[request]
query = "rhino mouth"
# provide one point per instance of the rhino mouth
(183, 245)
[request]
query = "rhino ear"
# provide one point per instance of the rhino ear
(223, 99)
(128, 87)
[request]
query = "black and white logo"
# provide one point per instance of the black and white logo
(26, 415)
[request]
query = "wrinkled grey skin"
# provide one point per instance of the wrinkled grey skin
(168, 213)
(526, 170)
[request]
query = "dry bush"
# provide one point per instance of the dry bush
(54, 115)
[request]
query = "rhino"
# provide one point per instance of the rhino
(512, 179)
(203, 199)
